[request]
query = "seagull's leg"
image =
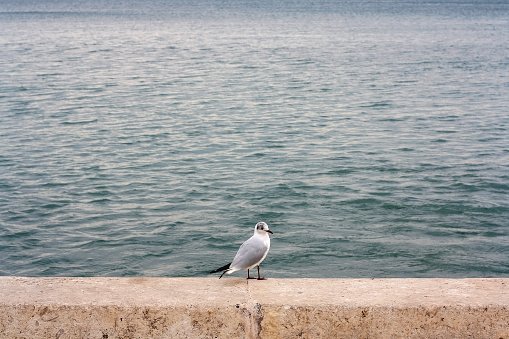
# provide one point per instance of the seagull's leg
(259, 278)
(248, 276)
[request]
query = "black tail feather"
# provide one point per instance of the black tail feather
(224, 268)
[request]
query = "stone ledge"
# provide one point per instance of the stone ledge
(234, 307)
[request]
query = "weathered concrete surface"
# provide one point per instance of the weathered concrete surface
(237, 308)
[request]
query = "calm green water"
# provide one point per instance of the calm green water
(372, 137)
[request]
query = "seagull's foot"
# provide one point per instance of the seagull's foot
(249, 275)
(260, 278)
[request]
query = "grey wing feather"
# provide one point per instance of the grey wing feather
(249, 254)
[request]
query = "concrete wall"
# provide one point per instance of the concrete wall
(236, 308)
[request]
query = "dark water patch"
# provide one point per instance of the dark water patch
(82, 122)
(446, 131)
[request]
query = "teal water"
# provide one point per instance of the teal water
(372, 137)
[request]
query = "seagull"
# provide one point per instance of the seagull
(251, 253)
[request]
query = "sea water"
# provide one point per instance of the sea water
(148, 138)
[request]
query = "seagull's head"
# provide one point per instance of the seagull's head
(262, 228)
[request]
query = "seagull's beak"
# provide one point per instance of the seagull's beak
(269, 231)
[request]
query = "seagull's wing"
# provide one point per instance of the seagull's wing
(250, 253)
(222, 268)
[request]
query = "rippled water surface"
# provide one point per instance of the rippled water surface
(372, 137)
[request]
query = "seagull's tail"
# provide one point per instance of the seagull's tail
(223, 268)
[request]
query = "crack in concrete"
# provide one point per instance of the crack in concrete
(255, 315)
